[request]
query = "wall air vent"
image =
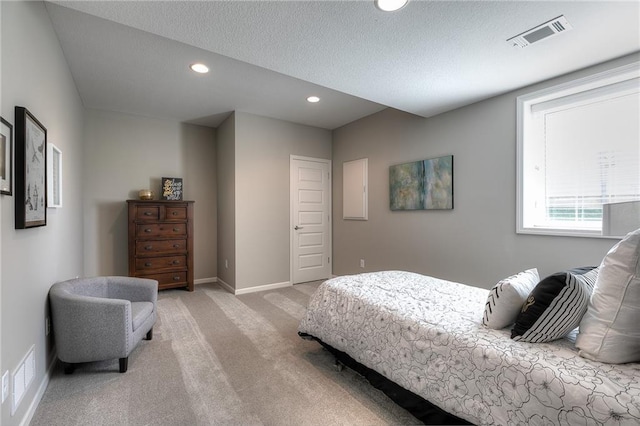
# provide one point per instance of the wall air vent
(553, 27)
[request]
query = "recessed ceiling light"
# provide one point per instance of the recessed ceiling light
(390, 5)
(199, 68)
(313, 99)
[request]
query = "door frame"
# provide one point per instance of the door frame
(293, 158)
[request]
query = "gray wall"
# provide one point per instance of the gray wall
(35, 75)
(476, 242)
(225, 168)
(125, 153)
(262, 150)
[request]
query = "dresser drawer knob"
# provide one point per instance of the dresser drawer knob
(148, 247)
(175, 213)
(147, 264)
(147, 230)
(176, 229)
(176, 262)
(148, 214)
(176, 245)
(176, 278)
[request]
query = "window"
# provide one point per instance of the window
(579, 156)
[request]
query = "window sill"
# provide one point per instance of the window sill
(567, 233)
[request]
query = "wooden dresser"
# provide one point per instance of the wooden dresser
(161, 242)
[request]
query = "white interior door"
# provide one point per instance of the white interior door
(310, 219)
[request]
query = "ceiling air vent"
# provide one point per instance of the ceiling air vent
(555, 26)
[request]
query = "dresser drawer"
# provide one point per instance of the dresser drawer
(153, 247)
(163, 262)
(175, 213)
(161, 230)
(147, 212)
(168, 278)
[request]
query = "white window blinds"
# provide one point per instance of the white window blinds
(579, 150)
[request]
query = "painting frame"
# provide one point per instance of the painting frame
(31, 170)
(54, 176)
(6, 157)
(422, 185)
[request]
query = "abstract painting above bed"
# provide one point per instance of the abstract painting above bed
(422, 185)
(426, 335)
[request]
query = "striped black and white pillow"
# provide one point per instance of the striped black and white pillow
(506, 298)
(555, 307)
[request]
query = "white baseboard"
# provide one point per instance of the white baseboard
(28, 416)
(263, 287)
(205, 280)
(226, 286)
(254, 289)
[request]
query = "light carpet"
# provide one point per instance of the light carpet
(220, 359)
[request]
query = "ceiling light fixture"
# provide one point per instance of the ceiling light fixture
(199, 68)
(313, 99)
(390, 5)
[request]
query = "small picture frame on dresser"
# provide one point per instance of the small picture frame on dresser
(172, 189)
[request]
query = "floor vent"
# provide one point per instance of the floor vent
(553, 27)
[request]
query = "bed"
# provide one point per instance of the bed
(426, 336)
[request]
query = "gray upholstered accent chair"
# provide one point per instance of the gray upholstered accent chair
(102, 318)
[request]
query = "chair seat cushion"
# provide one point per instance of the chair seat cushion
(140, 312)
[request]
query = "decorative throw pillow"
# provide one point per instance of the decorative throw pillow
(506, 298)
(555, 307)
(610, 330)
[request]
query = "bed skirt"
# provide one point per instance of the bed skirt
(419, 407)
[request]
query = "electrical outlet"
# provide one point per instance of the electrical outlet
(5, 385)
(362, 263)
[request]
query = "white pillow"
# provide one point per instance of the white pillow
(506, 298)
(610, 329)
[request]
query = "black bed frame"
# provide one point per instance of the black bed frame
(422, 409)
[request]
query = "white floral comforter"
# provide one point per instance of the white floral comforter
(425, 334)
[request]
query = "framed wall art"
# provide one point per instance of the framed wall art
(54, 176)
(31, 170)
(6, 156)
(422, 185)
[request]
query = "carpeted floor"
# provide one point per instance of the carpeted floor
(220, 359)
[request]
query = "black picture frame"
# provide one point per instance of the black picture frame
(172, 189)
(6, 157)
(31, 170)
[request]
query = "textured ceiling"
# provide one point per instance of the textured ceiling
(266, 57)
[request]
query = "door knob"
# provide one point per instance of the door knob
(298, 227)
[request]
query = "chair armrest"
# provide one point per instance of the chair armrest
(133, 289)
(87, 328)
